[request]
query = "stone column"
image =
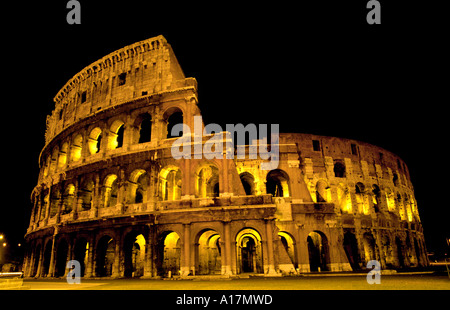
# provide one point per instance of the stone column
(185, 268)
(270, 255)
(226, 257)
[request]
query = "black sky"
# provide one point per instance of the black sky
(311, 66)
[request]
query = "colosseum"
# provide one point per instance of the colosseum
(111, 195)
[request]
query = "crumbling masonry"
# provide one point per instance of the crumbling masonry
(110, 194)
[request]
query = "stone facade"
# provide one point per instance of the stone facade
(111, 195)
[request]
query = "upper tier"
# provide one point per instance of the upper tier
(139, 69)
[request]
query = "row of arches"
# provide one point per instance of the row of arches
(136, 254)
(101, 258)
(102, 138)
(87, 192)
(365, 199)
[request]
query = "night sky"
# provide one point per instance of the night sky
(310, 66)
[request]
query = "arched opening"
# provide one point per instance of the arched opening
(207, 181)
(134, 255)
(249, 251)
(81, 253)
(322, 191)
(277, 183)
(318, 251)
(344, 199)
(369, 247)
(351, 250)
(86, 193)
(208, 253)
(105, 257)
(361, 198)
(173, 117)
(339, 169)
(47, 257)
(54, 159)
(137, 186)
(400, 253)
(170, 183)
(37, 254)
(76, 148)
(55, 199)
(145, 128)
(95, 140)
(116, 133)
(169, 254)
(110, 190)
(61, 258)
(386, 247)
(62, 158)
(287, 253)
(376, 198)
(68, 199)
(248, 182)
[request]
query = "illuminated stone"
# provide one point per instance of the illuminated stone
(110, 194)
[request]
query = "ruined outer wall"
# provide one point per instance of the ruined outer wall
(142, 68)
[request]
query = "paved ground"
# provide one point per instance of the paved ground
(317, 282)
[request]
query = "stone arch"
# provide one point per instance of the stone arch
(68, 199)
(248, 182)
(318, 249)
(62, 251)
(110, 187)
(86, 193)
(95, 140)
(322, 191)
(249, 251)
(134, 254)
(207, 180)
(368, 242)
(351, 250)
(339, 169)
(46, 258)
(76, 148)
(81, 253)
(171, 117)
(62, 157)
(137, 186)
(105, 252)
(168, 254)
(143, 128)
(170, 180)
(208, 252)
(277, 183)
(287, 253)
(344, 199)
(116, 134)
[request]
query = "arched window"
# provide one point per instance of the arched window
(145, 129)
(116, 133)
(277, 183)
(68, 197)
(76, 147)
(173, 116)
(170, 183)
(376, 197)
(248, 181)
(110, 190)
(86, 192)
(207, 182)
(339, 170)
(62, 158)
(138, 185)
(94, 141)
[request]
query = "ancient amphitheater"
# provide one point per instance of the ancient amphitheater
(111, 195)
